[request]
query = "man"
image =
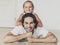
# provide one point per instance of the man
(29, 31)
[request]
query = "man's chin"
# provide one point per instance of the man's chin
(28, 30)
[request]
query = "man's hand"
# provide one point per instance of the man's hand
(29, 34)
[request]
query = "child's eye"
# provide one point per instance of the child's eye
(30, 7)
(25, 7)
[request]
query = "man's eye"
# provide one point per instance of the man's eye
(26, 23)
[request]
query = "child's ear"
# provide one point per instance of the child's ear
(24, 11)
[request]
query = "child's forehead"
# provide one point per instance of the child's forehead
(27, 3)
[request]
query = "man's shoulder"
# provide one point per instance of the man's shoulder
(41, 29)
(20, 27)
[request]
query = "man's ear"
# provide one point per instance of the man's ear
(23, 24)
(34, 24)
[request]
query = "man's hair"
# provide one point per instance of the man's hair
(29, 15)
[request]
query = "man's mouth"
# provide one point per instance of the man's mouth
(29, 29)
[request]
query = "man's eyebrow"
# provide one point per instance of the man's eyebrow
(32, 22)
(26, 22)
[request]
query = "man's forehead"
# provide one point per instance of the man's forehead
(28, 19)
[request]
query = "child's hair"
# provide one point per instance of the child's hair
(29, 2)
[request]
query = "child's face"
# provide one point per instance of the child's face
(28, 8)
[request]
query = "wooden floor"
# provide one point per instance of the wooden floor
(3, 31)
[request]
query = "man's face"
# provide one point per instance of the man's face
(29, 25)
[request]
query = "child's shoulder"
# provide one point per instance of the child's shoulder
(25, 13)
(35, 14)
(22, 14)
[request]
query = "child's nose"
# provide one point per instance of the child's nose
(28, 8)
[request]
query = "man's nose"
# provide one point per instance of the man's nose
(29, 25)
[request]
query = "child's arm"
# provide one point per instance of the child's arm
(38, 19)
(18, 21)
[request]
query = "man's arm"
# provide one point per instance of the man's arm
(50, 38)
(12, 38)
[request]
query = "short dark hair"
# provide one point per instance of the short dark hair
(29, 15)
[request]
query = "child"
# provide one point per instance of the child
(28, 7)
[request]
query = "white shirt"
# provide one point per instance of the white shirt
(38, 32)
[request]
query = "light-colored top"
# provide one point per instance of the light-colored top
(38, 32)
